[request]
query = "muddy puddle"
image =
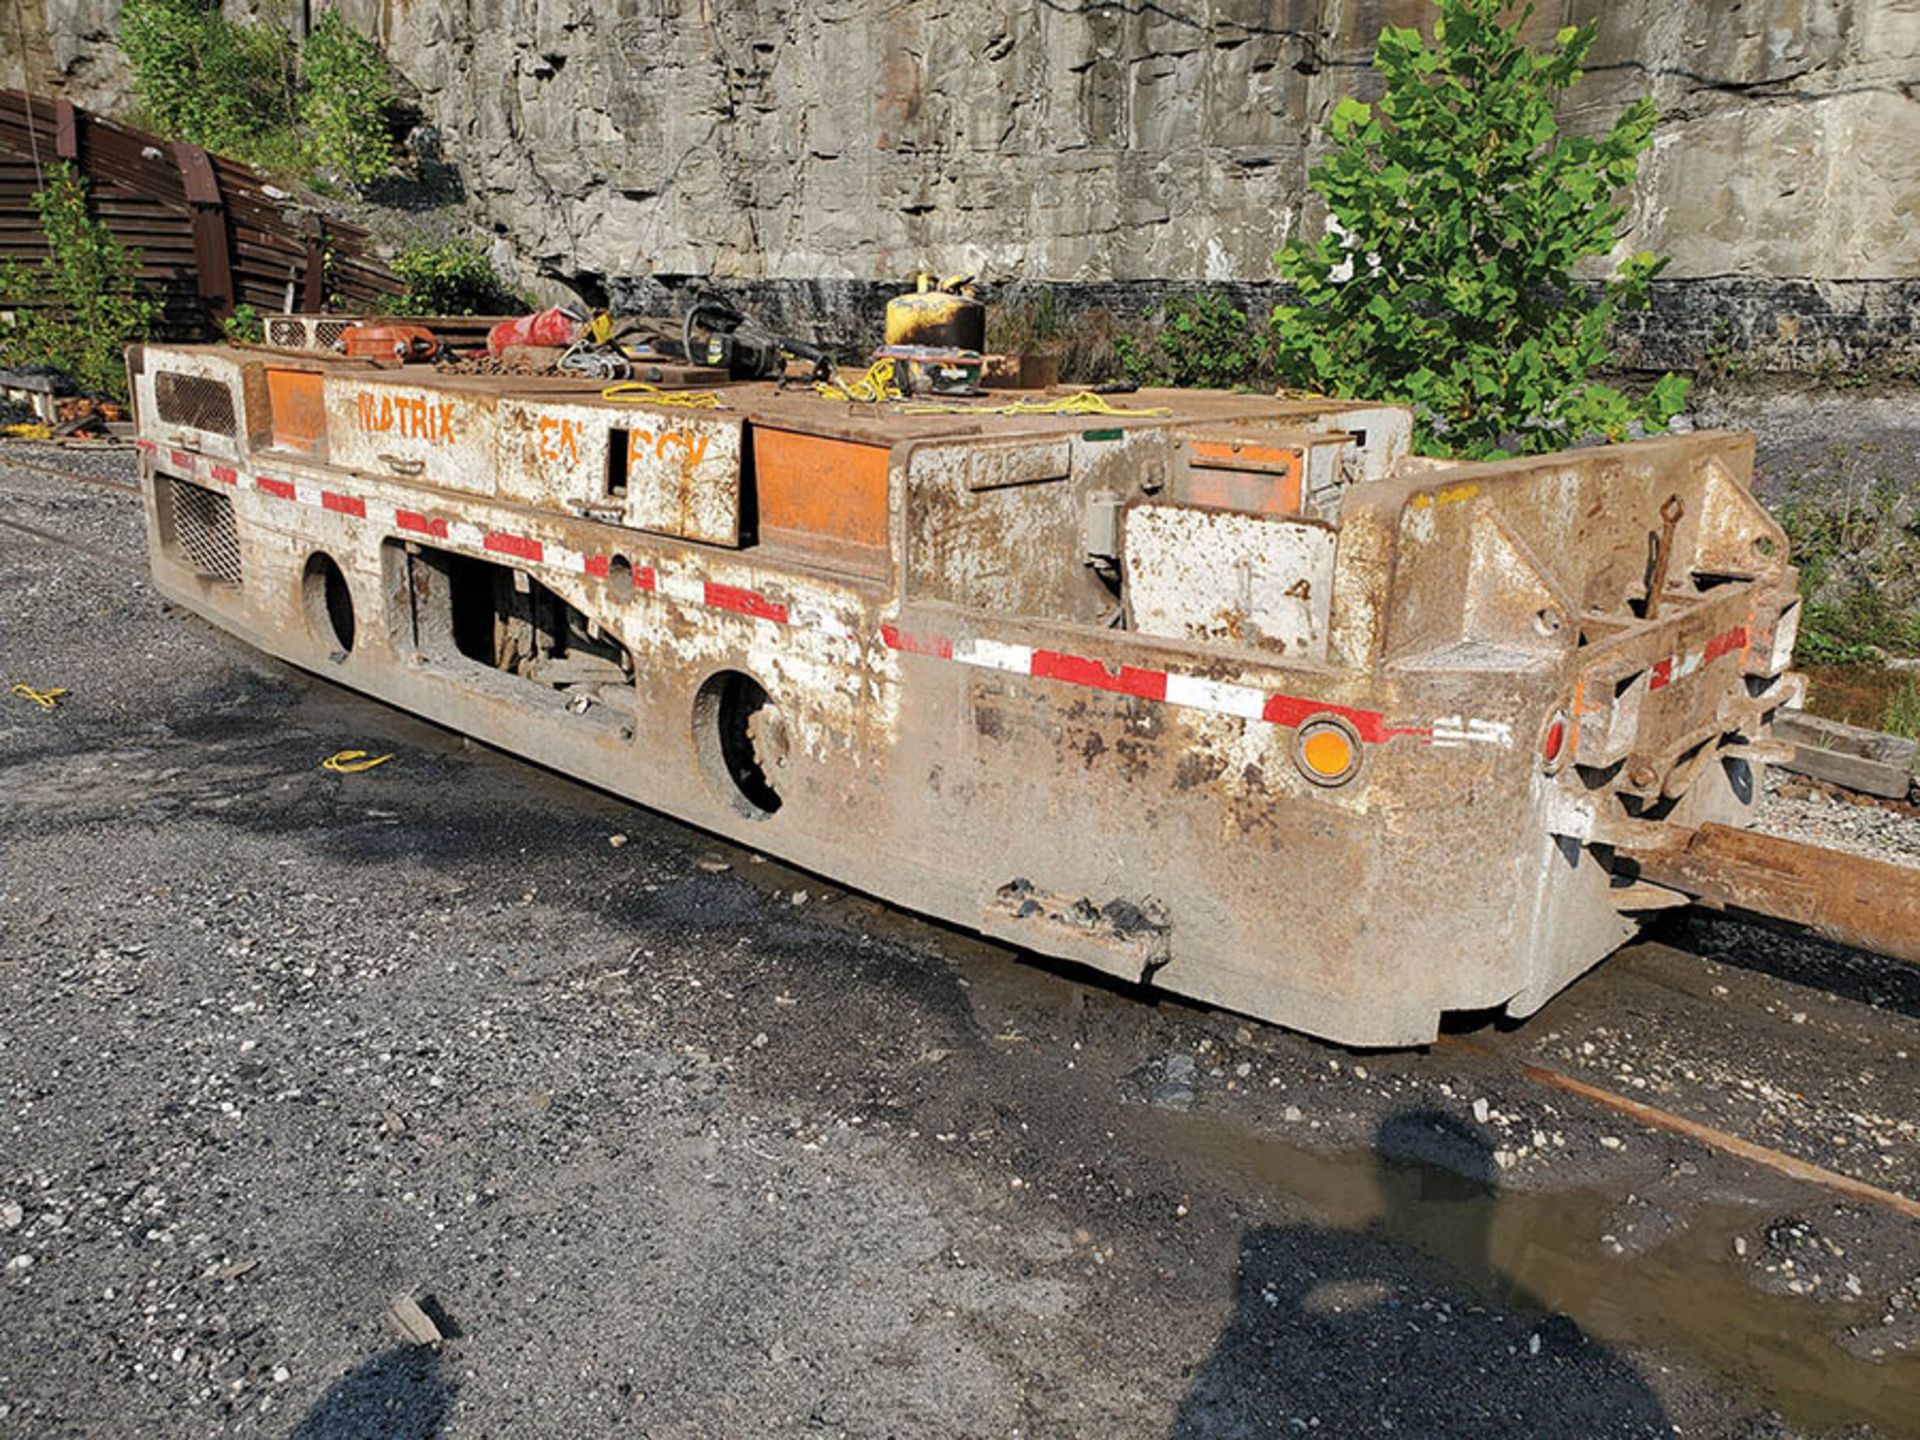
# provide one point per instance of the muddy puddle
(1546, 1252)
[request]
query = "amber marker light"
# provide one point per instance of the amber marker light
(1327, 751)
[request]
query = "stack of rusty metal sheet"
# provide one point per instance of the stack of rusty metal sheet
(212, 233)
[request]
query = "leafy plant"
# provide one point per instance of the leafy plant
(455, 278)
(243, 88)
(1459, 214)
(211, 81)
(90, 306)
(1202, 341)
(344, 96)
(244, 324)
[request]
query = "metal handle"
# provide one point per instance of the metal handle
(1670, 512)
(400, 465)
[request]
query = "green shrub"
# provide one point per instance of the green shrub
(244, 89)
(1461, 213)
(90, 306)
(1201, 342)
(455, 278)
(344, 96)
(211, 81)
(244, 324)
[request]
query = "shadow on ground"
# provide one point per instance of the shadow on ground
(1335, 1332)
(399, 1394)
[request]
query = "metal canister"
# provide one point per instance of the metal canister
(942, 314)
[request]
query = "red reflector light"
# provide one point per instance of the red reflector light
(1553, 743)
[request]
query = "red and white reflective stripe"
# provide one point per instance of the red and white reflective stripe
(1679, 667)
(685, 589)
(1189, 692)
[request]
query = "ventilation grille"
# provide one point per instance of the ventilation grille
(305, 332)
(204, 530)
(194, 401)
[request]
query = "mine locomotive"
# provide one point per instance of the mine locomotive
(1225, 694)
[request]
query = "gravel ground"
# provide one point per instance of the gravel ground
(676, 1142)
(1817, 444)
(1819, 815)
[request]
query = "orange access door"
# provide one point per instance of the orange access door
(827, 495)
(299, 411)
(1245, 474)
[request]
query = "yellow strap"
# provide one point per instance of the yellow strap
(352, 762)
(45, 699)
(31, 430)
(1081, 402)
(870, 389)
(639, 392)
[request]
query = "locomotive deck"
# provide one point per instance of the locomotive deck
(1054, 678)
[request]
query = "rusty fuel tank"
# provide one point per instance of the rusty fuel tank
(938, 314)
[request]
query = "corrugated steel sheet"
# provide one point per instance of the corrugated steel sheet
(210, 236)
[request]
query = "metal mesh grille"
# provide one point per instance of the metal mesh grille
(326, 332)
(287, 333)
(203, 528)
(194, 401)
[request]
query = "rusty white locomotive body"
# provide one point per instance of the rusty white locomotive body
(1226, 694)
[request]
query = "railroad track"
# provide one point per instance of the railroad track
(1479, 1048)
(50, 537)
(60, 472)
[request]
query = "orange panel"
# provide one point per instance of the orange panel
(1263, 493)
(829, 492)
(1243, 455)
(299, 411)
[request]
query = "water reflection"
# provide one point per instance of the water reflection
(1358, 1332)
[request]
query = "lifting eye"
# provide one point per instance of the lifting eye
(1327, 750)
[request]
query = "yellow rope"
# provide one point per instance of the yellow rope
(639, 392)
(352, 762)
(1081, 402)
(45, 699)
(870, 389)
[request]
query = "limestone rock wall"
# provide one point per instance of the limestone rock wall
(1139, 140)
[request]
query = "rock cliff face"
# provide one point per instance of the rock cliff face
(1132, 141)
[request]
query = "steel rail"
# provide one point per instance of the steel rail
(92, 552)
(1779, 1161)
(61, 473)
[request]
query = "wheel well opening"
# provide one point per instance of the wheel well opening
(328, 601)
(742, 742)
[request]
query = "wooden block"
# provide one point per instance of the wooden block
(1865, 760)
